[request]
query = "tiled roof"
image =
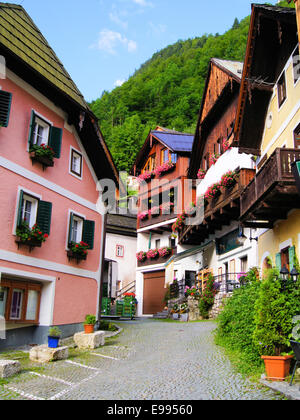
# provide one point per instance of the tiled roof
(178, 142)
(20, 35)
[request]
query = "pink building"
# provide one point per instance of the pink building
(44, 280)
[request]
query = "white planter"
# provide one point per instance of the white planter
(184, 317)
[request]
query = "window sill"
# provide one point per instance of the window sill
(31, 244)
(73, 256)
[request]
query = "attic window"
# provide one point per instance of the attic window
(281, 90)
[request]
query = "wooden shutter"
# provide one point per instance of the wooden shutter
(88, 233)
(31, 128)
(19, 217)
(292, 254)
(5, 105)
(55, 140)
(70, 228)
(44, 214)
(278, 261)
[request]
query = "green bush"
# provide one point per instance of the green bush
(207, 298)
(90, 320)
(275, 309)
(236, 322)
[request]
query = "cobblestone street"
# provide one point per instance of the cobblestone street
(149, 360)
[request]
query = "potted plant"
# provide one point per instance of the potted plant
(184, 315)
(275, 309)
(89, 324)
(54, 335)
(175, 311)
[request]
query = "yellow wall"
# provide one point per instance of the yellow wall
(284, 119)
(285, 233)
(281, 133)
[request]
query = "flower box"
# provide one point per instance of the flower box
(44, 160)
(31, 243)
(75, 256)
(165, 168)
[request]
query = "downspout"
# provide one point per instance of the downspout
(102, 265)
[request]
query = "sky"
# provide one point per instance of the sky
(102, 42)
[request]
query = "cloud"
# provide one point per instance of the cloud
(143, 3)
(119, 83)
(115, 17)
(110, 40)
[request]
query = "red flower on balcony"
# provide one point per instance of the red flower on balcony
(166, 167)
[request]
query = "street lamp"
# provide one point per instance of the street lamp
(294, 275)
(284, 273)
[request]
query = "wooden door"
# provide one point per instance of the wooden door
(154, 292)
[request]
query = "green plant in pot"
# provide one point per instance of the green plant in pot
(275, 308)
(54, 335)
(89, 324)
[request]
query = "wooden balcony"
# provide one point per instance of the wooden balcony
(155, 219)
(272, 193)
(158, 260)
(219, 212)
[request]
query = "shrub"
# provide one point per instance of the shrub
(54, 332)
(275, 309)
(207, 298)
(90, 320)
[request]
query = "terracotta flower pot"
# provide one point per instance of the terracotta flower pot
(89, 329)
(277, 367)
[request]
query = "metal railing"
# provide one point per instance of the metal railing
(228, 282)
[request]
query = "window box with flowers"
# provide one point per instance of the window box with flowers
(43, 154)
(152, 254)
(32, 237)
(78, 251)
(229, 179)
(179, 224)
(165, 252)
(146, 177)
(141, 256)
(165, 168)
(213, 191)
(201, 174)
(213, 159)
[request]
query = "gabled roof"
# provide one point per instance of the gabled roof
(175, 141)
(21, 36)
(271, 41)
(224, 85)
(28, 54)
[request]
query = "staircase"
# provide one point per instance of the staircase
(161, 315)
(130, 288)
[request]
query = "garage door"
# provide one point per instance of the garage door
(154, 292)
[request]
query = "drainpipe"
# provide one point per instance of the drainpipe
(103, 245)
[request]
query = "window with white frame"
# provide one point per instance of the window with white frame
(76, 229)
(29, 210)
(41, 131)
(120, 251)
(281, 90)
(76, 163)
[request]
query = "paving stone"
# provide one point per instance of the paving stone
(9, 368)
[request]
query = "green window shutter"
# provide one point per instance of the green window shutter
(70, 228)
(5, 105)
(278, 261)
(55, 140)
(19, 219)
(88, 233)
(31, 128)
(292, 254)
(44, 214)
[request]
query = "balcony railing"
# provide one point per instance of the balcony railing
(228, 282)
(273, 182)
(157, 218)
(219, 211)
(158, 260)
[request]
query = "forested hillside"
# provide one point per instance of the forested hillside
(165, 91)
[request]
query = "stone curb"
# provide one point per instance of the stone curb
(291, 392)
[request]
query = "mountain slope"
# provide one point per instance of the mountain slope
(165, 91)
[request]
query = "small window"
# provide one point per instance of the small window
(33, 211)
(41, 131)
(281, 90)
(5, 105)
(76, 163)
(81, 230)
(296, 65)
(165, 156)
(120, 251)
(174, 157)
(157, 244)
